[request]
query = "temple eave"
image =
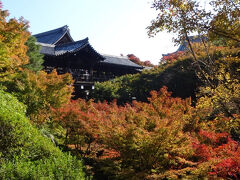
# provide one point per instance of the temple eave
(79, 58)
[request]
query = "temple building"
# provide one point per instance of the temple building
(80, 59)
(184, 46)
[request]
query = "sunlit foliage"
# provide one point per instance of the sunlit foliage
(41, 91)
(165, 137)
(13, 36)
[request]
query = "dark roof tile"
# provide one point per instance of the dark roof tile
(49, 39)
(46, 49)
(53, 36)
(124, 61)
(71, 47)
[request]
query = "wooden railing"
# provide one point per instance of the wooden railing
(95, 78)
(83, 76)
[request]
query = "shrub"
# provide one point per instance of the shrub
(18, 136)
(24, 152)
(61, 167)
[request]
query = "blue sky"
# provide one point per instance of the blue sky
(113, 26)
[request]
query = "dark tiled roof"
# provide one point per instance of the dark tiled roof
(52, 37)
(193, 39)
(183, 46)
(47, 49)
(49, 39)
(123, 61)
(71, 47)
(58, 50)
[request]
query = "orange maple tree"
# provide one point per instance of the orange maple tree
(13, 36)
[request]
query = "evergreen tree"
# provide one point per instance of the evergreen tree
(35, 58)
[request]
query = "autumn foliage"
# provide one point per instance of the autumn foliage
(40, 91)
(162, 137)
(13, 36)
(172, 57)
(149, 140)
(25, 151)
(136, 60)
(219, 150)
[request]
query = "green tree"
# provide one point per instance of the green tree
(33, 52)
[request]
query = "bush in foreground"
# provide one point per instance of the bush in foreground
(25, 153)
(61, 167)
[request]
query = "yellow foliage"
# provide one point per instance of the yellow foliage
(41, 91)
(13, 36)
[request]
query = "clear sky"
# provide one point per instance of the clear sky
(113, 26)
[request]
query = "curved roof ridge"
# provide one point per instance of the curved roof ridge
(101, 57)
(71, 47)
(66, 32)
(65, 27)
(85, 40)
(54, 36)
